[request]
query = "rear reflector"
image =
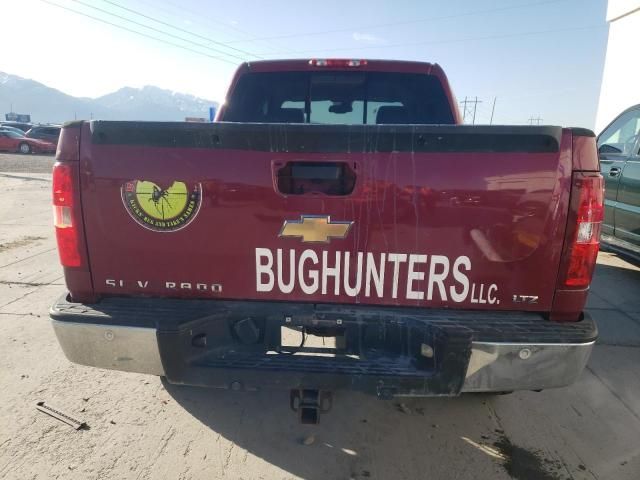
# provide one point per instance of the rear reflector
(587, 202)
(63, 215)
(336, 62)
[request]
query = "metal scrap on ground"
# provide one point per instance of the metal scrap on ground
(57, 414)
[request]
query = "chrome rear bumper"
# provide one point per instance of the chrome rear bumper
(493, 367)
(130, 349)
(496, 367)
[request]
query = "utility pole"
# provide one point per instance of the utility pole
(464, 109)
(475, 105)
(537, 120)
(493, 109)
(467, 108)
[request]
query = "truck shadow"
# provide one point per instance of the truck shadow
(360, 437)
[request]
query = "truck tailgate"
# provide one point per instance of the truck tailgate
(435, 216)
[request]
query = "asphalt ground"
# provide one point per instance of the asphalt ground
(142, 428)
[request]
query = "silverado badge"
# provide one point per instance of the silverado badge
(315, 229)
(161, 209)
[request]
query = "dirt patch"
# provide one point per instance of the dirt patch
(523, 464)
(21, 242)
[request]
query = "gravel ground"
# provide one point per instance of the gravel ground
(16, 163)
(143, 428)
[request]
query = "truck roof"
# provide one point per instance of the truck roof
(315, 64)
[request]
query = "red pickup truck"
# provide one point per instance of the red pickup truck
(336, 227)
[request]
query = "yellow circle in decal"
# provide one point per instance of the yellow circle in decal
(162, 204)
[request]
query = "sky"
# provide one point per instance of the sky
(536, 58)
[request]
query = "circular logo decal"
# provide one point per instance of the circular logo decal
(161, 209)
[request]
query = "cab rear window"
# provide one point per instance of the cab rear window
(339, 98)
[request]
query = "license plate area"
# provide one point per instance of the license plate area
(312, 341)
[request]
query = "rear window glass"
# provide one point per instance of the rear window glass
(339, 98)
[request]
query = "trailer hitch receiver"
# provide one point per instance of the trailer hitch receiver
(309, 404)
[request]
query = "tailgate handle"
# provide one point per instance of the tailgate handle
(313, 178)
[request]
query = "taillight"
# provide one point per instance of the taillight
(63, 215)
(336, 62)
(587, 202)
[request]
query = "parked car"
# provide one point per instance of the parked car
(14, 142)
(339, 207)
(7, 128)
(19, 125)
(619, 152)
(49, 133)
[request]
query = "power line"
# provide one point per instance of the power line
(536, 120)
(135, 12)
(457, 40)
(162, 32)
(393, 24)
(195, 14)
(138, 33)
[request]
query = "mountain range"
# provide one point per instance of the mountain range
(48, 105)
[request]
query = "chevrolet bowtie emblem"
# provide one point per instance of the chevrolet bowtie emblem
(315, 229)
